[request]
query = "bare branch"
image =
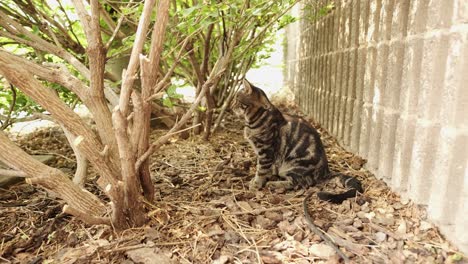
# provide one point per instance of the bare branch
(14, 30)
(157, 43)
(59, 74)
(13, 173)
(7, 121)
(130, 73)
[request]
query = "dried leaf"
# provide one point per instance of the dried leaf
(322, 251)
(148, 255)
(245, 206)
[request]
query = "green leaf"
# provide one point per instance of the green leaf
(186, 12)
(167, 102)
(456, 257)
(172, 93)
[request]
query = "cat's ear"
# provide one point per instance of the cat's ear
(247, 86)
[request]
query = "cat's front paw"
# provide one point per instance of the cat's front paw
(256, 183)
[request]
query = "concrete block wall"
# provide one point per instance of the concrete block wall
(389, 78)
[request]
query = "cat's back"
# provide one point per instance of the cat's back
(301, 141)
(297, 127)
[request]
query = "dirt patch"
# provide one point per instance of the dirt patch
(204, 213)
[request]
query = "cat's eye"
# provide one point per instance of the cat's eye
(243, 106)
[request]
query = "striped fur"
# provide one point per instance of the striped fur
(286, 146)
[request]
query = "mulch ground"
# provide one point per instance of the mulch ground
(204, 213)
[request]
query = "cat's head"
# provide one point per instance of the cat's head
(249, 99)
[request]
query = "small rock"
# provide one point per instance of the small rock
(288, 215)
(232, 237)
(361, 214)
(369, 215)
(271, 257)
(380, 237)
(264, 222)
(149, 255)
(357, 223)
(365, 207)
(347, 221)
(423, 226)
(349, 228)
(357, 235)
(346, 205)
(392, 245)
(397, 206)
(404, 200)
(215, 230)
(299, 236)
(322, 251)
(387, 220)
(245, 206)
(275, 216)
(221, 260)
(287, 227)
(401, 229)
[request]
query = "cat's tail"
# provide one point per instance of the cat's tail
(350, 182)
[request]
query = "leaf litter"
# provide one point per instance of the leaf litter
(204, 213)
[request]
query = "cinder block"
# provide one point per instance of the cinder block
(418, 14)
(328, 93)
(448, 176)
(308, 87)
(386, 14)
(400, 19)
(347, 121)
(410, 83)
(380, 84)
(365, 130)
(301, 84)
(455, 93)
(354, 25)
(369, 76)
(336, 27)
(404, 138)
(387, 143)
(423, 160)
(321, 89)
(350, 96)
(312, 98)
(314, 43)
(333, 81)
(321, 37)
(363, 21)
(355, 126)
(358, 102)
(441, 13)
(461, 225)
(343, 90)
(435, 53)
(346, 26)
(394, 75)
(460, 15)
(376, 123)
(337, 89)
(374, 21)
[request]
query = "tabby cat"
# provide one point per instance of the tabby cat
(286, 146)
(290, 148)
